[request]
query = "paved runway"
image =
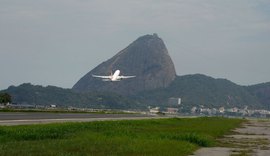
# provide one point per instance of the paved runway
(22, 118)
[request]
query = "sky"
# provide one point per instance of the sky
(56, 42)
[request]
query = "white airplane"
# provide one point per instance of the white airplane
(113, 77)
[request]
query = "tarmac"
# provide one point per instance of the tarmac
(251, 139)
(24, 118)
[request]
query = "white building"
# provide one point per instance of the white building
(154, 110)
(174, 101)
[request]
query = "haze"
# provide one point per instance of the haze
(56, 42)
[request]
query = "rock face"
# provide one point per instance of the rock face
(147, 58)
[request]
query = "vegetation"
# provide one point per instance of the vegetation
(138, 137)
(5, 98)
(261, 92)
(50, 95)
(195, 90)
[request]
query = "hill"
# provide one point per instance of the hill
(147, 58)
(262, 92)
(198, 90)
(194, 90)
(155, 82)
(51, 95)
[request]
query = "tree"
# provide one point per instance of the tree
(5, 98)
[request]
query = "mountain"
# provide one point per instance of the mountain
(194, 90)
(147, 58)
(262, 92)
(155, 82)
(51, 95)
(198, 89)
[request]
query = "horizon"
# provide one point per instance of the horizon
(58, 42)
(176, 75)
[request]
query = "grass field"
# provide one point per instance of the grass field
(173, 136)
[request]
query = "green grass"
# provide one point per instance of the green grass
(173, 136)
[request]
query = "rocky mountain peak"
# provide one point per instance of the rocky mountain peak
(147, 58)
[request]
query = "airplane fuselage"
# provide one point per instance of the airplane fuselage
(113, 77)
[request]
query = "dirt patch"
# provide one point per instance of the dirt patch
(252, 139)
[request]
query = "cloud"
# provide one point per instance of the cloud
(203, 36)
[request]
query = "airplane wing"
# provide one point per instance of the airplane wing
(103, 77)
(126, 77)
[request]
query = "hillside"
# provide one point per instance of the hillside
(197, 90)
(194, 90)
(39, 95)
(262, 92)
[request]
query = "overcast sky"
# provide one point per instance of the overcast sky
(56, 42)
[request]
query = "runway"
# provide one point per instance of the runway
(24, 118)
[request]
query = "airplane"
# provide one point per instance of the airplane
(113, 77)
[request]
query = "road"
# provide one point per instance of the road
(23, 118)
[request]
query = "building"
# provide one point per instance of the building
(172, 110)
(154, 110)
(174, 101)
